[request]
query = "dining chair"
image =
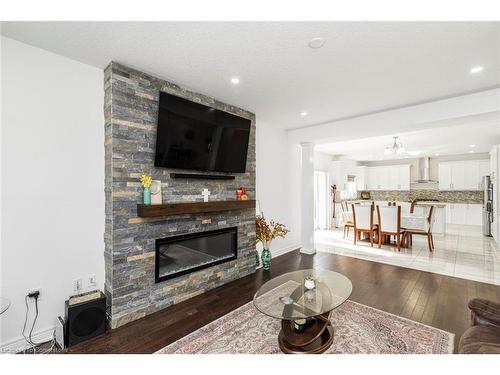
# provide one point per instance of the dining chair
(389, 224)
(416, 210)
(347, 219)
(363, 222)
(426, 231)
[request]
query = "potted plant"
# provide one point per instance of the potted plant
(146, 182)
(265, 233)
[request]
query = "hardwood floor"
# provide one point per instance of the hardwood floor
(437, 300)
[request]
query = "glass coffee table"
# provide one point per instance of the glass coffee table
(304, 300)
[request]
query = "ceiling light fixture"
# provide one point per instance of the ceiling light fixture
(396, 148)
(472, 146)
(316, 43)
(476, 69)
(471, 151)
(303, 113)
(436, 154)
(235, 80)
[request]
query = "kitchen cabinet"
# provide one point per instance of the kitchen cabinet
(361, 180)
(473, 215)
(391, 177)
(439, 224)
(444, 177)
(456, 213)
(464, 213)
(403, 182)
(372, 179)
(462, 175)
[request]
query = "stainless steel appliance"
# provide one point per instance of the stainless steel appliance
(487, 205)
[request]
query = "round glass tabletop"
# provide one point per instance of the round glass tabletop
(302, 294)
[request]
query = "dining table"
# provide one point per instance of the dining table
(408, 221)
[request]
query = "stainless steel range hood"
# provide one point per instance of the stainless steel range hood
(423, 165)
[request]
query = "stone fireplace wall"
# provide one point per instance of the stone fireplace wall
(131, 110)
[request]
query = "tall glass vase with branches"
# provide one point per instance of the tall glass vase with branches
(266, 232)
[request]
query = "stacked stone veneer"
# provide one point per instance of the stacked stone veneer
(131, 111)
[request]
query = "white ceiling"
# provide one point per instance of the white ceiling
(444, 140)
(363, 67)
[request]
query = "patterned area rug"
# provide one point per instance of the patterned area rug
(359, 329)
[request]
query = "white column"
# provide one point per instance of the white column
(307, 198)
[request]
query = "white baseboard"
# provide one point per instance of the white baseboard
(20, 344)
(308, 251)
(277, 252)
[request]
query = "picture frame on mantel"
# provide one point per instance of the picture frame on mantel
(156, 197)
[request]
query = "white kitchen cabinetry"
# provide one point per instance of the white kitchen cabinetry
(456, 213)
(445, 179)
(361, 180)
(464, 213)
(391, 177)
(473, 215)
(462, 175)
(484, 170)
(403, 177)
(372, 179)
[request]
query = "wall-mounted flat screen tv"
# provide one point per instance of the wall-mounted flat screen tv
(194, 136)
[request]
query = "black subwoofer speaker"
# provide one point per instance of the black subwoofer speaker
(86, 319)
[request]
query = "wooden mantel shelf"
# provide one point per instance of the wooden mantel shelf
(170, 209)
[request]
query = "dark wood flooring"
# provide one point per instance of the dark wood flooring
(437, 300)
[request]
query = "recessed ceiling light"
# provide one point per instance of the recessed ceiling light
(436, 154)
(316, 43)
(476, 69)
(303, 113)
(471, 151)
(406, 157)
(472, 146)
(235, 80)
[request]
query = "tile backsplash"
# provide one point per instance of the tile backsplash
(442, 196)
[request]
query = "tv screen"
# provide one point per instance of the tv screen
(194, 136)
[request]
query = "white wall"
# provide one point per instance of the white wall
(52, 182)
(273, 183)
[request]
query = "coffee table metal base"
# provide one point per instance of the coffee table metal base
(316, 338)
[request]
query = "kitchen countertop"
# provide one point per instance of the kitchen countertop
(430, 203)
(440, 204)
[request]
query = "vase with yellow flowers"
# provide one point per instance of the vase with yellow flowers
(146, 182)
(265, 233)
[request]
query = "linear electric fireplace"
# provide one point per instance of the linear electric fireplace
(179, 255)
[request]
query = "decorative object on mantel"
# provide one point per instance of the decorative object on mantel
(265, 233)
(146, 182)
(156, 192)
(241, 194)
(206, 194)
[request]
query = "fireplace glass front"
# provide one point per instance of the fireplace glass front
(179, 255)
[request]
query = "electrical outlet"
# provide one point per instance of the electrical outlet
(33, 291)
(91, 281)
(77, 286)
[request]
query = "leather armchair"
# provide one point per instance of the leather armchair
(483, 337)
